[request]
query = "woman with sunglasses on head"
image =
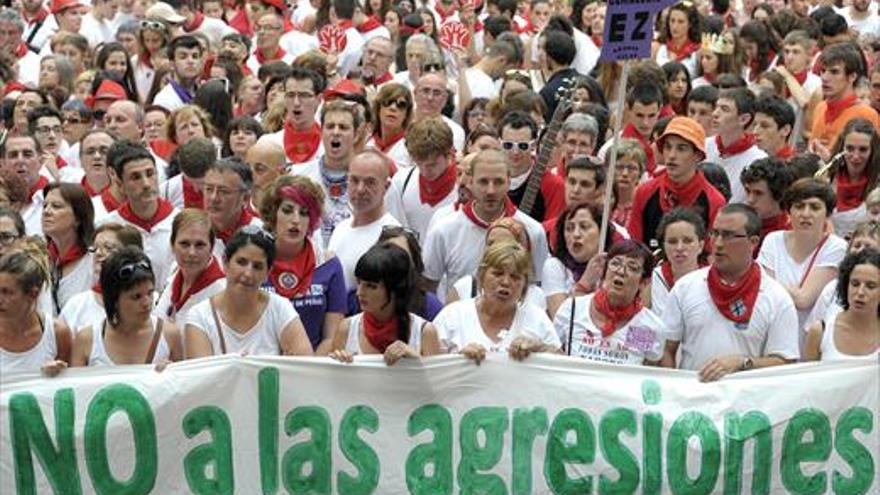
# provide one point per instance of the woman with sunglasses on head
(152, 38)
(87, 307)
(385, 325)
(854, 331)
(855, 174)
(129, 333)
(291, 209)
(243, 318)
(30, 338)
(682, 235)
(392, 114)
(68, 224)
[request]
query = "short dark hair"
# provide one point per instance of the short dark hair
(584, 163)
(496, 24)
(505, 6)
(183, 41)
(703, 94)
(804, 165)
(867, 256)
(559, 47)
(717, 176)
(804, 189)
(252, 235)
(833, 24)
(125, 268)
(237, 166)
(124, 151)
(743, 99)
(632, 248)
(557, 22)
(39, 113)
(5, 142)
(777, 109)
(846, 54)
(196, 156)
(729, 81)
(518, 120)
(344, 8)
(753, 221)
(676, 215)
(645, 94)
(298, 73)
(771, 170)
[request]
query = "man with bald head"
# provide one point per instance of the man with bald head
(431, 95)
(125, 119)
(368, 179)
(267, 162)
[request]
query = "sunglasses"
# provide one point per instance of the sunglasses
(155, 25)
(522, 145)
(433, 68)
(128, 270)
(400, 104)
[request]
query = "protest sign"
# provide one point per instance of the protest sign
(629, 28)
(552, 424)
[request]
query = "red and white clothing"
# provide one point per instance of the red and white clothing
(28, 64)
(351, 54)
(296, 42)
(642, 338)
(459, 325)
(255, 61)
(173, 304)
(103, 204)
(182, 193)
(247, 217)
(395, 149)
(32, 212)
(356, 329)
(404, 202)
(733, 158)
(80, 278)
(299, 147)
(689, 56)
(692, 319)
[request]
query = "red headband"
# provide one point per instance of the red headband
(304, 199)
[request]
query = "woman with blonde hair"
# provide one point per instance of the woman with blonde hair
(188, 122)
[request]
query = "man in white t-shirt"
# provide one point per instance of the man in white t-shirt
(862, 16)
(730, 316)
(367, 182)
(499, 57)
(197, 22)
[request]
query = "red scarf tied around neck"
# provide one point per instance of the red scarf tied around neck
(468, 209)
(212, 273)
(293, 278)
(369, 24)
(71, 255)
(301, 146)
(668, 276)
(385, 144)
(432, 192)
(615, 316)
(41, 184)
(740, 145)
(736, 302)
(772, 224)
(684, 51)
(263, 59)
(673, 194)
(850, 193)
(834, 108)
(380, 335)
(162, 211)
(246, 217)
(192, 196)
(631, 132)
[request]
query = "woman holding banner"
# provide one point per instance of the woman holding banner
(243, 318)
(385, 284)
(498, 320)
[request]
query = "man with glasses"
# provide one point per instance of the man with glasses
(730, 316)
(301, 135)
(519, 140)
(269, 28)
(106, 195)
(187, 59)
(44, 123)
(227, 192)
(376, 61)
(430, 96)
(21, 157)
(76, 120)
(12, 45)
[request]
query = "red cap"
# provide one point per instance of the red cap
(344, 88)
(278, 4)
(59, 5)
(108, 90)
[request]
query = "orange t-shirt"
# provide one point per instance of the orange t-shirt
(827, 132)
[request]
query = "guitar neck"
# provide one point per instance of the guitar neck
(548, 144)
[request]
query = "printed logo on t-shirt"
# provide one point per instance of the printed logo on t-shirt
(641, 338)
(288, 280)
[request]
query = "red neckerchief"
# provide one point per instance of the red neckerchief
(97, 288)
(614, 315)
(736, 302)
(682, 52)
(60, 162)
(666, 111)
(197, 21)
(40, 16)
(786, 153)
(834, 108)
(146, 60)
(21, 51)
(434, 191)
(345, 24)
(89, 190)
(212, 273)
(41, 184)
(597, 40)
(192, 196)
(631, 132)
(294, 278)
(246, 217)
(850, 193)
(73, 253)
(673, 194)
(379, 335)
(468, 209)
(384, 78)
(740, 145)
(240, 23)
(301, 146)
(668, 277)
(164, 209)
(110, 202)
(385, 144)
(163, 148)
(710, 78)
(369, 24)
(772, 224)
(262, 59)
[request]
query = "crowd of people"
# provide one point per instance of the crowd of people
(191, 178)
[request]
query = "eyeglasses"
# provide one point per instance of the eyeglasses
(398, 230)
(400, 104)
(432, 93)
(7, 238)
(622, 266)
(103, 248)
(268, 28)
(434, 67)
(100, 151)
(522, 145)
(127, 271)
(74, 121)
(56, 129)
(154, 25)
(292, 95)
(726, 235)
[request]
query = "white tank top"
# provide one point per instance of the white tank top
(99, 357)
(353, 344)
(34, 358)
(829, 350)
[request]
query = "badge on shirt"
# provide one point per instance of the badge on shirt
(738, 308)
(288, 280)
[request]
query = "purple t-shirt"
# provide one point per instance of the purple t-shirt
(326, 295)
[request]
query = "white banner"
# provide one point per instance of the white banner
(440, 426)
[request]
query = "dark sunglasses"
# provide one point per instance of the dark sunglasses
(433, 68)
(400, 104)
(127, 271)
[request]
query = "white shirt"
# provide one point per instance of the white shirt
(458, 137)
(734, 166)
(828, 348)
(29, 69)
(351, 54)
(172, 190)
(459, 325)
(254, 65)
(215, 30)
(690, 61)
(397, 152)
(480, 84)
(825, 304)
(642, 338)
(32, 214)
(296, 42)
(168, 99)
(98, 355)
(46, 30)
(97, 31)
(355, 329)
(693, 319)
(350, 243)
(587, 53)
(556, 278)
(34, 358)
(867, 26)
(143, 78)
(659, 291)
(164, 308)
(80, 278)
(83, 310)
(403, 201)
(262, 339)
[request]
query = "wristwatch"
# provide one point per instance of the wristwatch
(747, 364)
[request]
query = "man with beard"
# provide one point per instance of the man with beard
(862, 16)
(376, 61)
(188, 60)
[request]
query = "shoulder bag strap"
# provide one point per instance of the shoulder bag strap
(154, 344)
(473, 287)
(571, 324)
(33, 35)
(219, 327)
(406, 181)
(813, 260)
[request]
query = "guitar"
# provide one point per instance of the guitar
(548, 145)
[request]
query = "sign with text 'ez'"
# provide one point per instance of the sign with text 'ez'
(629, 28)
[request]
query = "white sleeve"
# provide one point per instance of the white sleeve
(394, 202)
(282, 315)
(767, 255)
(562, 320)
(433, 257)
(447, 329)
(825, 300)
(672, 316)
(540, 326)
(659, 293)
(832, 253)
(781, 340)
(553, 277)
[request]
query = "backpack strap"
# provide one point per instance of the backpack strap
(473, 287)
(406, 181)
(154, 344)
(219, 327)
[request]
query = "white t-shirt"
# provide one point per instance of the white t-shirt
(845, 221)
(296, 42)
(692, 318)
(398, 153)
(32, 214)
(587, 53)
(825, 304)
(355, 328)
(157, 243)
(786, 271)
(480, 84)
(350, 243)
(34, 358)
(556, 278)
(215, 30)
(464, 287)
(83, 310)
(262, 339)
(642, 338)
(659, 291)
(459, 325)
(734, 166)
(403, 201)
(164, 308)
(79, 279)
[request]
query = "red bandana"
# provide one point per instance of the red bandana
(385, 144)
(246, 217)
(163, 148)
(468, 209)
(294, 277)
(772, 224)
(379, 335)
(384, 78)
(443, 12)
(21, 51)
(40, 16)
(89, 190)
(710, 78)
(164, 209)
(212, 273)
(262, 59)
(369, 24)
(850, 193)
(615, 316)
(631, 132)
(73, 253)
(41, 184)
(786, 153)
(668, 277)
(110, 203)
(60, 162)
(240, 23)
(597, 40)
(673, 194)
(345, 24)
(836, 107)
(432, 192)
(736, 302)
(192, 196)
(740, 145)
(301, 146)
(196, 23)
(684, 51)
